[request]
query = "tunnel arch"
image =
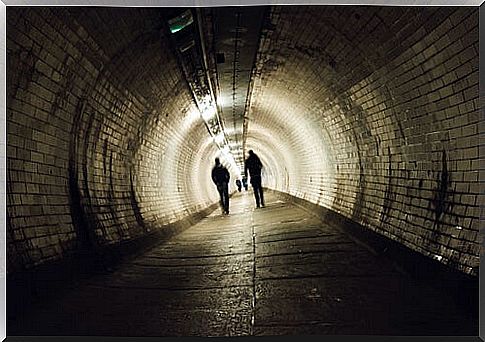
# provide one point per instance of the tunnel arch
(381, 86)
(371, 112)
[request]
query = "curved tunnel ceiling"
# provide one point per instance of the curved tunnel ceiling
(371, 112)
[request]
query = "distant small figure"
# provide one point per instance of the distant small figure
(220, 177)
(239, 185)
(254, 165)
(245, 183)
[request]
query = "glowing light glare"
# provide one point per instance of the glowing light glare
(207, 100)
(218, 139)
(225, 154)
(193, 116)
(182, 21)
(208, 112)
(220, 101)
(207, 108)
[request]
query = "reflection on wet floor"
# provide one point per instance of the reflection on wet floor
(269, 271)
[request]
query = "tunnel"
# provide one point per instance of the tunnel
(365, 119)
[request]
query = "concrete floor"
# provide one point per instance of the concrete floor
(270, 271)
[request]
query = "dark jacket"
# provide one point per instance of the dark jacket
(220, 174)
(254, 165)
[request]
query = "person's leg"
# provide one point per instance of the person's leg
(221, 196)
(261, 194)
(255, 182)
(226, 198)
(256, 195)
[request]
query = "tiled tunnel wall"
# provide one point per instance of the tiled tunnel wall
(380, 109)
(369, 111)
(104, 141)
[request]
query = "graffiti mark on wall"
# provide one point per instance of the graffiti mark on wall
(441, 202)
(389, 195)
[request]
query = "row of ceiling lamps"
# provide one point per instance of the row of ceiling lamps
(208, 111)
(203, 95)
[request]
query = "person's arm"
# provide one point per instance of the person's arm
(260, 164)
(228, 175)
(214, 176)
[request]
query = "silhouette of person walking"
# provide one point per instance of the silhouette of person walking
(220, 177)
(239, 185)
(254, 165)
(245, 183)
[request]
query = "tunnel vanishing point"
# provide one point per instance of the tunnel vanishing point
(366, 119)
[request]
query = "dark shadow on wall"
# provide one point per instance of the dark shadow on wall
(441, 202)
(85, 241)
(135, 206)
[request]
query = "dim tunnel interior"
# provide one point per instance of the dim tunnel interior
(366, 116)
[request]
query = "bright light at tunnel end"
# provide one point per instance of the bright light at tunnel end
(226, 155)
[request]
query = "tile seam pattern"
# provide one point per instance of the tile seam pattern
(253, 312)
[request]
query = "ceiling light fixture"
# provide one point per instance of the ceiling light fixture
(208, 112)
(181, 21)
(219, 139)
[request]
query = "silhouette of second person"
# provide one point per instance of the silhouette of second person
(254, 165)
(220, 177)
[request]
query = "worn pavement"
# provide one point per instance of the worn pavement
(269, 271)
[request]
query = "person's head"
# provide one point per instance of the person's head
(251, 152)
(218, 161)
